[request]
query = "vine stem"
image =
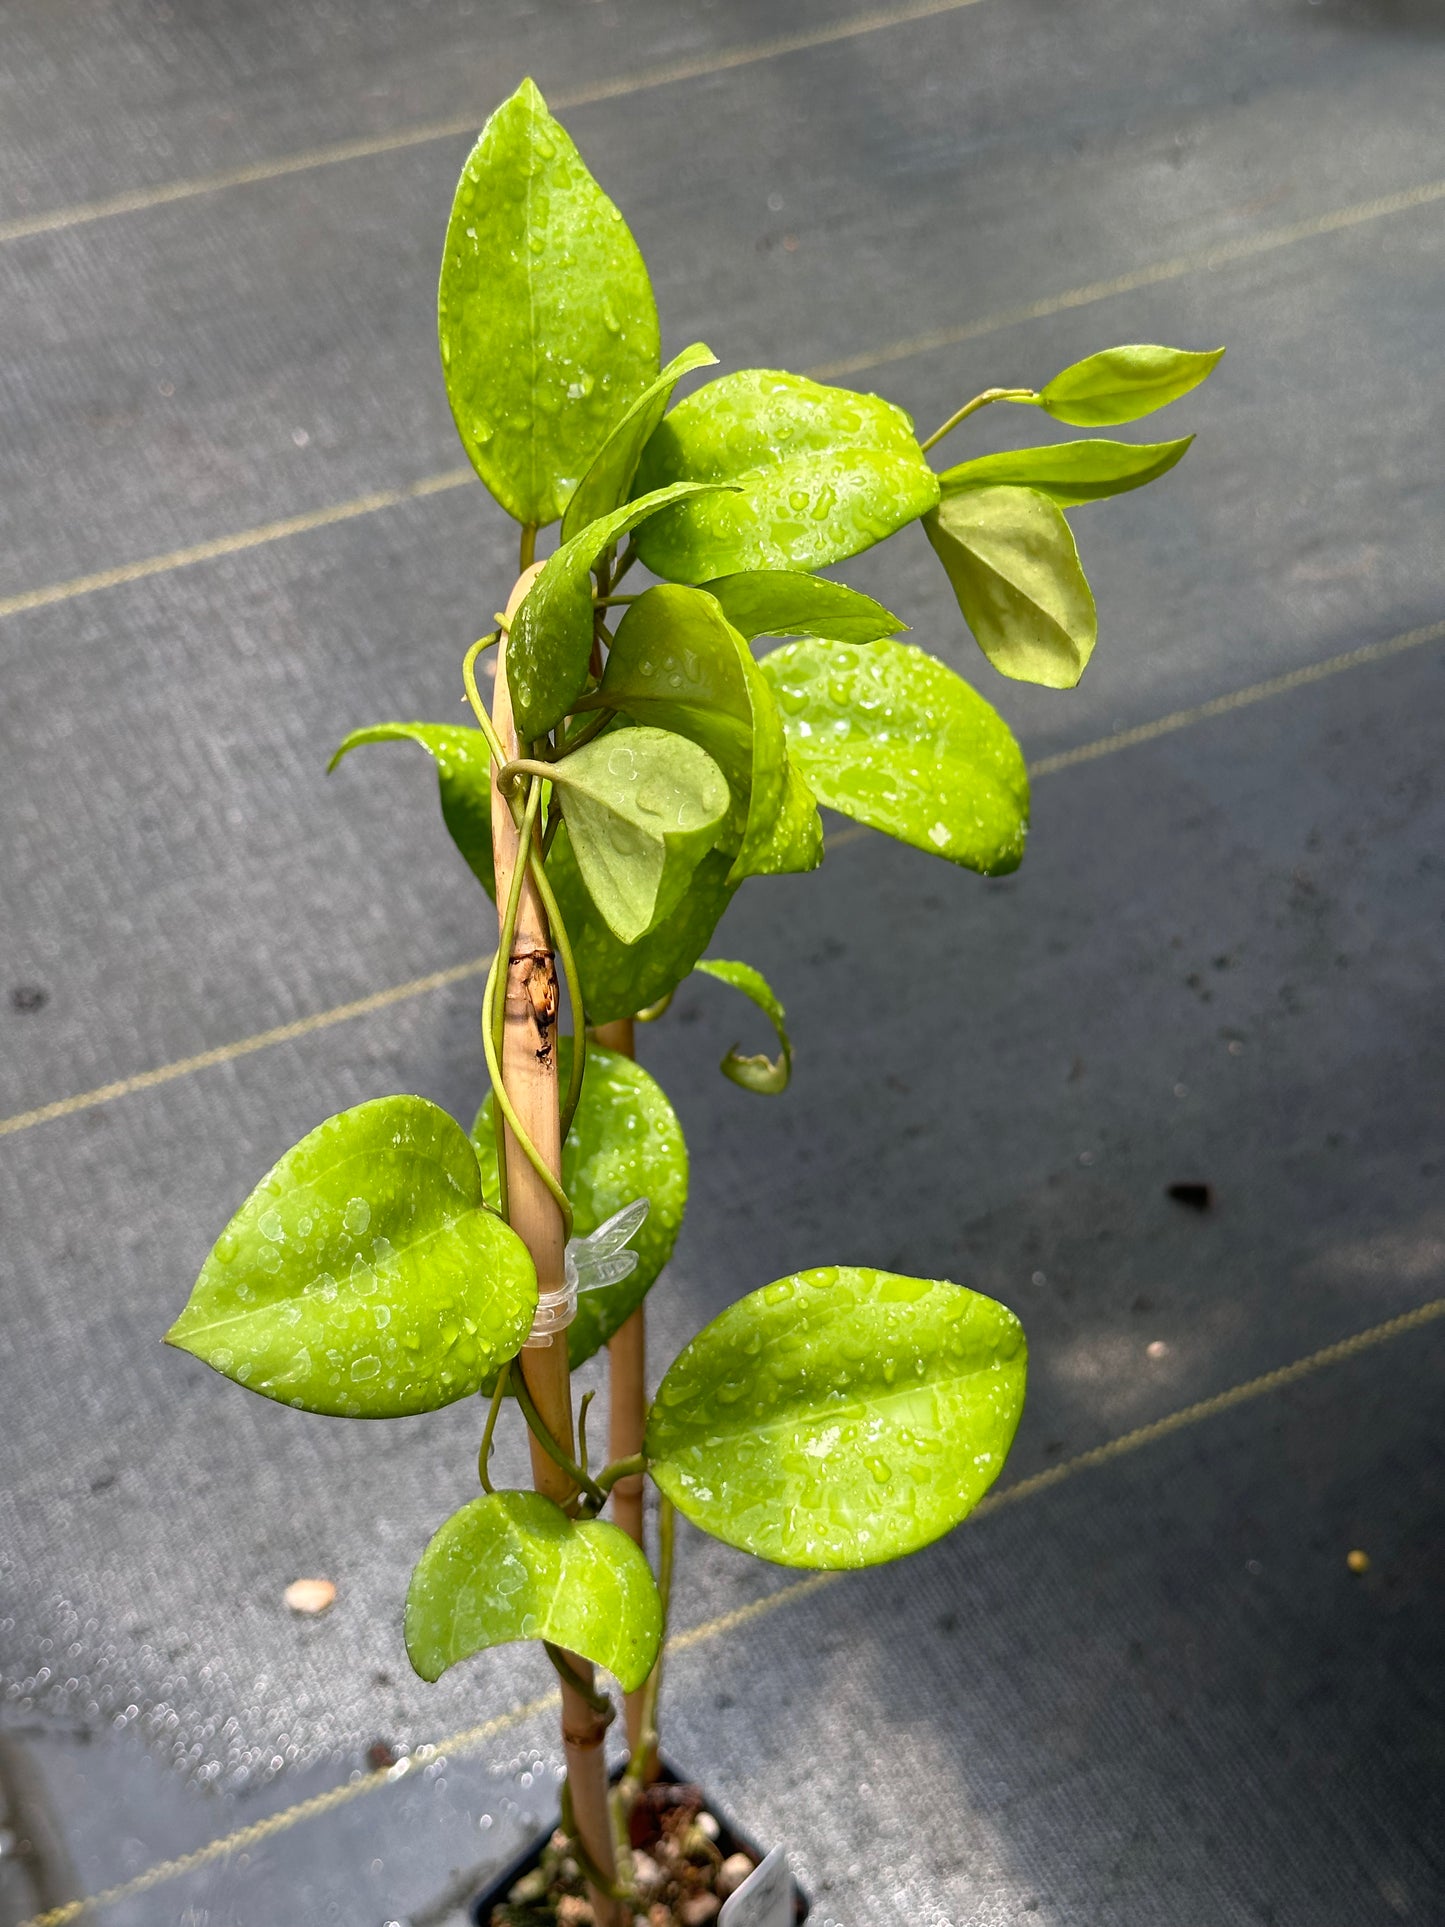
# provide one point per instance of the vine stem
(526, 1077)
(972, 408)
(642, 1766)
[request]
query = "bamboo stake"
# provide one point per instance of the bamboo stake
(627, 1417)
(529, 1071)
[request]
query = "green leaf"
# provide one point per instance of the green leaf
(894, 739)
(765, 1075)
(839, 1417)
(512, 1565)
(625, 1143)
(1011, 558)
(643, 807)
(823, 473)
(780, 602)
(364, 1276)
(551, 640)
(608, 480)
(1069, 472)
(546, 321)
(464, 776)
(678, 664)
(1121, 384)
(620, 979)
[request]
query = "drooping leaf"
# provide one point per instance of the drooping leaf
(551, 639)
(677, 663)
(1069, 472)
(840, 1417)
(625, 1143)
(1011, 558)
(607, 482)
(546, 321)
(765, 1075)
(781, 602)
(1121, 384)
(894, 739)
(512, 1565)
(643, 807)
(823, 473)
(464, 776)
(364, 1277)
(620, 979)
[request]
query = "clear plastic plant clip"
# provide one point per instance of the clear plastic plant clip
(599, 1259)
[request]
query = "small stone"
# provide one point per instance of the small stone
(732, 1873)
(310, 1595)
(532, 1886)
(708, 1825)
(574, 1911)
(698, 1909)
(659, 1916)
(1358, 1561)
(646, 1872)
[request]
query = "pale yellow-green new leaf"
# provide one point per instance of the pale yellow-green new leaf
(546, 319)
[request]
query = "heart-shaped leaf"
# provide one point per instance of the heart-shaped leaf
(781, 602)
(608, 480)
(765, 1075)
(625, 1143)
(839, 1417)
(620, 979)
(364, 1276)
(677, 663)
(643, 807)
(889, 736)
(464, 776)
(1121, 384)
(551, 641)
(512, 1565)
(823, 473)
(1011, 558)
(1069, 472)
(546, 320)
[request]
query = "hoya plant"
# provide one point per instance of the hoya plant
(656, 717)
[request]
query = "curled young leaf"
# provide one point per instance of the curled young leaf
(840, 1417)
(1068, 472)
(642, 806)
(546, 320)
(765, 1075)
(783, 602)
(608, 480)
(620, 979)
(512, 1565)
(677, 663)
(1121, 384)
(364, 1276)
(464, 777)
(551, 641)
(625, 1143)
(821, 473)
(1011, 558)
(894, 739)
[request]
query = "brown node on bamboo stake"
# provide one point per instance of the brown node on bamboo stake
(529, 1072)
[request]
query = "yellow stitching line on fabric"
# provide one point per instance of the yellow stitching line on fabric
(458, 973)
(243, 1047)
(790, 1595)
(1093, 291)
(727, 60)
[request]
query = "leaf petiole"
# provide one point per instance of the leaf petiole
(972, 408)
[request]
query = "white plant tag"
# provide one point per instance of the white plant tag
(765, 1898)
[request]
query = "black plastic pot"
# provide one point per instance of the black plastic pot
(730, 1840)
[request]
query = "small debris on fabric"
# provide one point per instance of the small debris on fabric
(310, 1596)
(1156, 1348)
(1358, 1561)
(380, 1755)
(29, 997)
(1197, 1197)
